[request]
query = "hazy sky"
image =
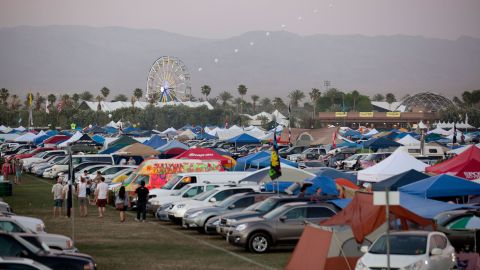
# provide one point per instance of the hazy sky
(224, 18)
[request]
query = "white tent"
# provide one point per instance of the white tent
(72, 139)
(27, 137)
(397, 162)
(371, 133)
(421, 125)
(188, 133)
(5, 129)
(20, 128)
(112, 124)
(439, 130)
(9, 136)
(409, 141)
(170, 131)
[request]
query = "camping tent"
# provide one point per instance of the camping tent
(137, 149)
(460, 150)
(188, 133)
(72, 139)
(399, 180)
(396, 163)
(155, 141)
(443, 185)
(265, 162)
(439, 131)
(54, 140)
(244, 162)
(172, 148)
(204, 154)
(289, 174)
(378, 143)
(334, 174)
(243, 139)
(27, 137)
(466, 165)
(409, 140)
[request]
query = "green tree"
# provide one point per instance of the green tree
(295, 97)
(51, 99)
(225, 97)
(206, 89)
(390, 98)
(105, 92)
(254, 102)
(278, 104)
(4, 94)
(266, 104)
(355, 96)
(378, 97)
(38, 101)
(314, 95)
(99, 99)
(120, 97)
(14, 102)
(86, 96)
(76, 98)
(138, 93)
(238, 102)
(242, 91)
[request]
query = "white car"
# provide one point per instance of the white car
(110, 170)
(42, 156)
(409, 250)
(178, 209)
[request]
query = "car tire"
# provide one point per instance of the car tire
(204, 227)
(259, 242)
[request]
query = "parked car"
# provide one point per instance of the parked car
(373, 159)
(284, 152)
(90, 170)
(308, 154)
(353, 162)
(53, 241)
(39, 169)
(27, 162)
(5, 208)
(226, 220)
(178, 209)
(21, 263)
(33, 224)
(281, 226)
(461, 227)
(311, 164)
(86, 160)
(199, 217)
(49, 160)
(33, 152)
(12, 245)
(422, 250)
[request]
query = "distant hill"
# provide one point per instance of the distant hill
(76, 58)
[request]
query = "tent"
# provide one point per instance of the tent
(170, 131)
(289, 174)
(96, 130)
(122, 141)
(409, 140)
(188, 133)
(265, 162)
(396, 163)
(205, 136)
(99, 139)
(399, 180)
(334, 174)
(54, 140)
(443, 185)
(460, 150)
(371, 133)
(137, 149)
(172, 148)
(466, 165)
(27, 137)
(439, 131)
(244, 162)
(155, 141)
(72, 139)
(243, 139)
(378, 143)
(204, 154)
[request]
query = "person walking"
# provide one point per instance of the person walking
(101, 197)
(142, 198)
(82, 197)
(57, 191)
(122, 202)
(18, 167)
(6, 170)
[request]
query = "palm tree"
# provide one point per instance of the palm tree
(14, 102)
(254, 100)
(51, 99)
(378, 97)
(278, 103)
(238, 102)
(225, 97)
(75, 98)
(315, 95)
(86, 96)
(99, 99)
(295, 97)
(390, 98)
(206, 89)
(120, 97)
(355, 97)
(138, 93)
(242, 91)
(105, 92)
(265, 103)
(39, 100)
(4, 94)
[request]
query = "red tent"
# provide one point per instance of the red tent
(204, 154)
(465, 165)
(56, 139)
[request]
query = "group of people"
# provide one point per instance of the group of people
(15, 167)
(84, 189)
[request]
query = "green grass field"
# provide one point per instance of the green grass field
(133, 245)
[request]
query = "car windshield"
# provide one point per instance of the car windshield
(180, 191)
(403, 244)
(228, 201)
(204, 195)
(353, 157)
(39, 155)
(370, 157)
(172, 182)
(265, 205)
(275, 212)
(29, 246)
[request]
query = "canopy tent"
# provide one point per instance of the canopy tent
(399, 180)
(433, 137)
(352, 133)
(172, 148)
(8, 137)
(170, 131)
(327, 184)
(72, 139)
(137, 149)
(243, 139)
(398, 162)
(99, 139)
(265, 162)
(335, 174)
(5, 129)
(371, 133)
(155, 141)
(466, 165)
(112, 124)
(443, 185)
(20, 129)
(204, 154)
(188, 133)
(122, 141)
(112, 149)
(439, 131)
(205, 136)
(27, 137)
(54, 140)
(110, 130)
(378, 143)
(289, 174)
(460, 150)
(96, 130)
(409, 141)
(130, 129)
(244, 162)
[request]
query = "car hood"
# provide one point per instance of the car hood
(242, 215)
(248, 220)
(398, 261)
(166, 200)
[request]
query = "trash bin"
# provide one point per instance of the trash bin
(5, 189)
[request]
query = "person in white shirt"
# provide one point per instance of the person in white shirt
(101, 196)
(57, 191)
(131, 161)
(82, 197)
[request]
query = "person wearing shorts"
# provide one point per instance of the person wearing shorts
(82, 197)
(101, 196)
(57, 191)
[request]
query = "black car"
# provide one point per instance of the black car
(15, 246)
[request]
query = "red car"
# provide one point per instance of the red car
(33, 152)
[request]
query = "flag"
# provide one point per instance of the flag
(454, 141)
(30, 99)
(275, 170)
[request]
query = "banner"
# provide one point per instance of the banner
(275, 170)
(393, 114)
(340, 114)
(365, 114)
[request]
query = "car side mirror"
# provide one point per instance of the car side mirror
(232, 206)
(436, 251)
(212, 200)
(283, 218)
(364, 249)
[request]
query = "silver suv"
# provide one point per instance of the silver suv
(281, 226)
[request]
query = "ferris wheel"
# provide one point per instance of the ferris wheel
(168, 80)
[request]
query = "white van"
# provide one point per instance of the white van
(183, 179)
(76, 160)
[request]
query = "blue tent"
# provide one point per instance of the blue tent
(112, 149)
(378, 143)
(171, 145)
(205, 136)
(130, 129)
(99, 139)
(334, 174)
(222, 152)
(350, 145)
(352, 133)
(442, 185)
(40, 139)
(96, 130)
(341, 203)
(110, 130)
(52, 132)
(244, 162)
(155, 141)
(327, 185)
(399, 180)
(427, 208)
(243, 139)
(265, 162)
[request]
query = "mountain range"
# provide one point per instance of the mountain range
(67, 59)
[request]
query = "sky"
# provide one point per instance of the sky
(448, 19)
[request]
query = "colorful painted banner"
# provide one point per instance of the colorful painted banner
(393, 114)
(365, 114)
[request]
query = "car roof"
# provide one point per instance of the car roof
(425, 233)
